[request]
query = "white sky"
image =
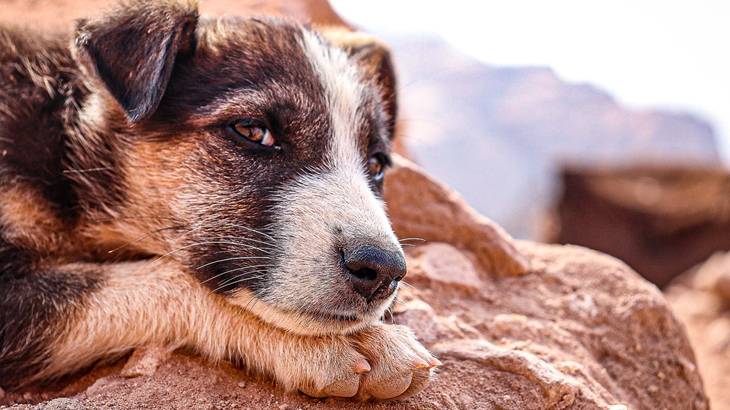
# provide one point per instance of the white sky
(671, 54)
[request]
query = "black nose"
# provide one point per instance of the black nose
(374, 272)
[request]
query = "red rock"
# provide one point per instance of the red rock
(443, 263)
(700, 299)
(145, 361)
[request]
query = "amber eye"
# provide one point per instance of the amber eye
(376, 167)
(246, 131)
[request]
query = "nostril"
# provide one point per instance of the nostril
(364, 273)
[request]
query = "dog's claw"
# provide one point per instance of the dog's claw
(422, 364)
(361, 366)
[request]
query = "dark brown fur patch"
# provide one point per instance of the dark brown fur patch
(34, 304)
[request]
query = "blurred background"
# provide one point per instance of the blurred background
(605, 124)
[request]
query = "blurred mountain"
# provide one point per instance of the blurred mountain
(499, 135)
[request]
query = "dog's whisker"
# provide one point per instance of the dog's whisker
(124, 217)
(240, 280)
(241, 241)
(406, 284)
(253, 230)
(411, 239)
(82, 171)
(192, 245)
(140, 238)
(270, 244)
(217, 242)
(236, 258)
(254, 274)
(253, 300)
(388, 314)
(235, 270)
(257, 273)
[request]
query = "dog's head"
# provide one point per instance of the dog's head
(252, 150)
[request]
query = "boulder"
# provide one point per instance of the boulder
(701, 300)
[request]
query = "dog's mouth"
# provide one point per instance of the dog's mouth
(334, 316)
(310, 321)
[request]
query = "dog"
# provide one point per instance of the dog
(169, 179)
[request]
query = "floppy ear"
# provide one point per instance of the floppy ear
(132, 51)
(375, 60)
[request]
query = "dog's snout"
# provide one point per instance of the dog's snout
(374, 272)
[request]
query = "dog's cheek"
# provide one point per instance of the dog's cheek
(227, 208)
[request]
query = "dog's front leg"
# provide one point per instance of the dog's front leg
(157, 303)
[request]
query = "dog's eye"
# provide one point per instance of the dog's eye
(376, 167)
(245, 131)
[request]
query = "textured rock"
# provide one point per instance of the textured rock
(701, 300)
(429, 211)
(145, 361)
(574, 330)
(63, 404)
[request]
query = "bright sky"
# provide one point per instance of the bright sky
(671, 54)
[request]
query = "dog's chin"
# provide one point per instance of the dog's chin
(309, 322)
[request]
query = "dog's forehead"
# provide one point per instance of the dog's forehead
(260, 49)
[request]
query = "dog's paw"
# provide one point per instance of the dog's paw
(382, 362)
(400, 365)
(325, 367)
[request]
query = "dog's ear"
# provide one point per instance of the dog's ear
(375, 60)
(132, 51)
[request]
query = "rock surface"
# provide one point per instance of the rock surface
(574, 330)
(701, 300)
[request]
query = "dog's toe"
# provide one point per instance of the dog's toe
(391, 388)
(340, 388)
